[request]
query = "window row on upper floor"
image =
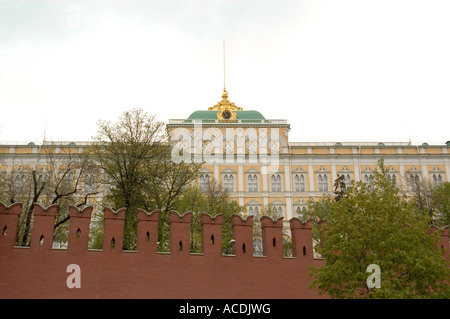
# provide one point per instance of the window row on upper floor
(322, 180)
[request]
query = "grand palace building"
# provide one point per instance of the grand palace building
(252, 158)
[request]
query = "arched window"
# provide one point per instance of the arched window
(204, 181)
(228, 183)
(299, 183)
(274, 211)
(323, 183)
(253, 211)
(437, 180)
(252, 183)
(414, 181)
(276, 183)
(347, 181)
(392, 178)
(20, 179)
(277, 211)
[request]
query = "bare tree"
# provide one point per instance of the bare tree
(421, 191)
(50, 179)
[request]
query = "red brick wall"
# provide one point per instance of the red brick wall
(39, 271)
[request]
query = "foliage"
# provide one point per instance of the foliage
(49, 180)
(135, 155)
(213, 201)
(373, 224)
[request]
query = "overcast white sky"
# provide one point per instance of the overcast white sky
(337, 70)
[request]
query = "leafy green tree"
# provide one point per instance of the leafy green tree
(135, 155)
(122, 149)
(213, 201)
(373, 224)
(318, 209)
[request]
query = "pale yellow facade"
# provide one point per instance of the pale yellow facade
(253, 159)
(303, 170)
(299, 172)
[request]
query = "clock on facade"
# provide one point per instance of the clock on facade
(226, 115)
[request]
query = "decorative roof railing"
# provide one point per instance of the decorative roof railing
(237, 121)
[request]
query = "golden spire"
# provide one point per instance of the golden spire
(225, 93)
(225, 103)
(224, 90)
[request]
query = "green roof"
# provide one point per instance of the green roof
(203, 115)
(212, 115)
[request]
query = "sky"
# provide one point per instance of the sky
(337, 71)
